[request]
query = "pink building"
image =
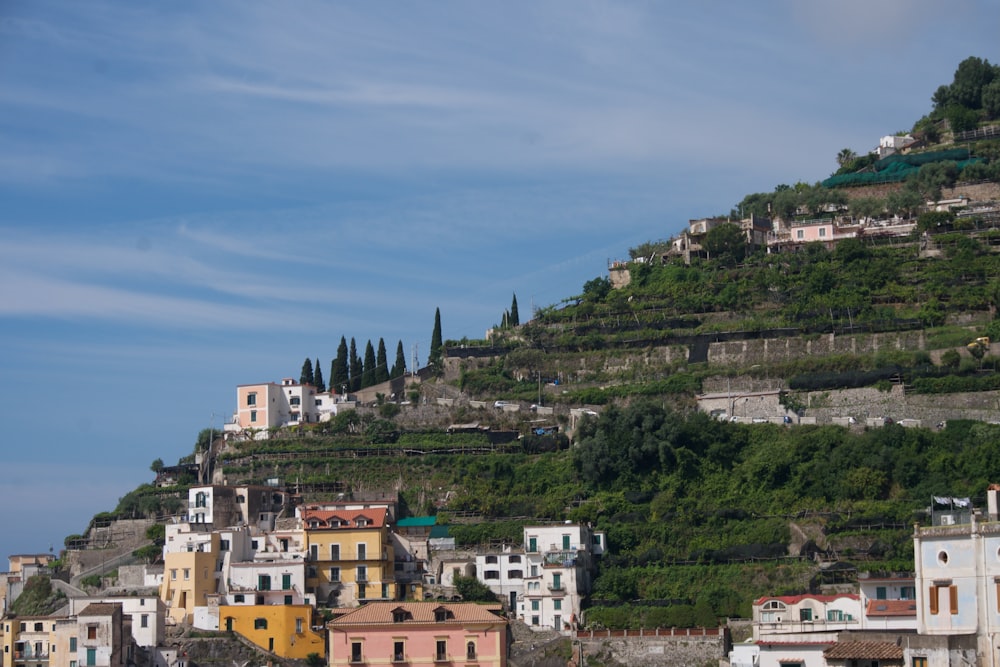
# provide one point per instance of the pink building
(419, 633)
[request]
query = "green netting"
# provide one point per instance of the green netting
(896, 168)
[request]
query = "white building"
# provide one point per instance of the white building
(796, 629)
(958, 578)
(559, 566)
(147, 613)
(504, 574)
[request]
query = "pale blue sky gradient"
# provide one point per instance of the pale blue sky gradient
(196, 195)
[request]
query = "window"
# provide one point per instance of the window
(399, 616)
(397, 651)
(534, 570)
(362, 591)
(907, 593)
(932, 595)
(515, 574)
(556, 622)
(557, 604)
(880, 593)
(314, 551)
(919, 662)
(441, 650)
(822, 232)
(223, 545)
(514, 559)
(39, 627)
(200, 499)
(362, 552)
(91, 632)
(144, 621)
(286, 582)
(565, 542)
(187, 573)
(264, 582)
(355, 651)
(805, 614)
(440, 615)
(334, 574)
(72, 643)
(532, 545)
(362, 574)
(296, 400)
(251, 399)
(534, 605)
(288, 599)
(491, 559)
(253, 416)
(556, 582)
(799, 234)
(953, 598)
(334, 552)
(470, 651)
(298, 626)
(239, 597)
(173, 574)
(491, 574)
(834, 615)
(534, 620)
(260, 624)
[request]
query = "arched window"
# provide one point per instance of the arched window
(470, 651)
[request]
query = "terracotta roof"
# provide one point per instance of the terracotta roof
(377, 613)
(375, 515)
(864, 651)
(891, 608)
(795, 599)
(100, 609)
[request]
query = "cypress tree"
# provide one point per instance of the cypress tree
(399, 368)
(338, 369)
(368, 374)
(514, 319)
(355, 369)
(318, 377)
(434, 358)
(381, 363)
(306, 376)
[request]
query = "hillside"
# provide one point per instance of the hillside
(702, 515)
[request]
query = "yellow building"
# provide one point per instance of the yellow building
(188, 577)
(281, 629)
(350, 555)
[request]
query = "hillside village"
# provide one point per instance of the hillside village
(309, 530)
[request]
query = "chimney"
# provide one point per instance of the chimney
(993, 502)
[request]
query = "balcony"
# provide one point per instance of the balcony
(557, 588)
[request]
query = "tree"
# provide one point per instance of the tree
(338, 370)
(381, 363)
(318, 377)
(846, 155)
(596, 289)
(368, 374)
(726, 243)
(991, 99)
(399, 368)
(306, 376)
(867, 207)
(473, 590)
(156, 466)
(355, 369)
(514, 319)
(434, 359)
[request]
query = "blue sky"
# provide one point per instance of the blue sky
(196, 195)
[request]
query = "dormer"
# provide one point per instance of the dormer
(443, 614)
(401, 615)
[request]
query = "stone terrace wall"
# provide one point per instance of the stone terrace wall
(659, 648)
